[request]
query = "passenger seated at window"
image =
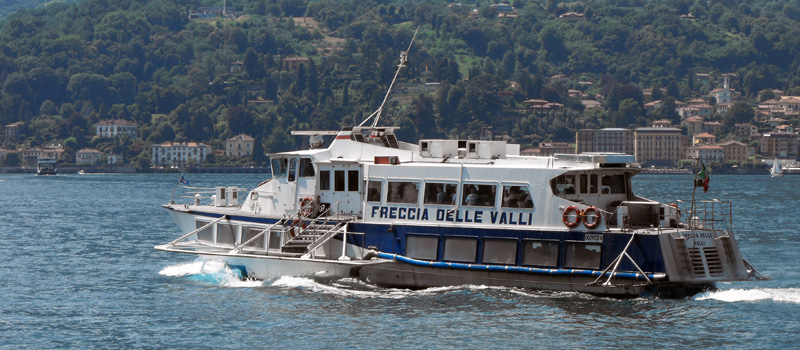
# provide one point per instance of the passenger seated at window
(473, 198)
(441, 195)
(395, 192)
(409, 193)
(374, 196)
(524, 201)
(511, 195)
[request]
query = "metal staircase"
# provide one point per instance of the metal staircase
(305, 237)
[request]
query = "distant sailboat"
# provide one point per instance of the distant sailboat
(776, 169)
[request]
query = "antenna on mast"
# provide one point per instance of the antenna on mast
(403, 62)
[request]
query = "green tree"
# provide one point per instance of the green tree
(740, 112)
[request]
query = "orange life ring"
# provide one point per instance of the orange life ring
(305, 207)
(294, 225)
(569, 223)
(597, 218)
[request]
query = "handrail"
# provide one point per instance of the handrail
(238, 248)
(616, 262)
(170, 244)
(301, 218)
(325, 238)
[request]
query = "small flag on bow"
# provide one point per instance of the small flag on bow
(183, 181)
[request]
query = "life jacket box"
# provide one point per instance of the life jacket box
(233, 196)
(438, 148)
(220, 197)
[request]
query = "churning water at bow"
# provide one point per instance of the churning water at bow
(79, 271)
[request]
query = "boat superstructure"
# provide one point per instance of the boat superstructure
(451, 212)
(46, 166)
(444, 212)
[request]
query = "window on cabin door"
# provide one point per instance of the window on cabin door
(352, 180)
(339, 180)
(325, 180)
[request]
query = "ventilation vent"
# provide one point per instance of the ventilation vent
(697, 262)
(713, 261)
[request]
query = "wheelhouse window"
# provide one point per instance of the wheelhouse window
(306, 167)
(460, 249)
(440, 193)
(292, 169)
(613, 184)
(516, 197)
(582, 255)
(374, 191)
(478, 195)
(540, 253)
(499, 251)
(422, 247)
(563, 185)
(588, 183)
(403, 192)
(280, 167)
(325, 180)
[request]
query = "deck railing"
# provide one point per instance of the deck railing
(709, 214)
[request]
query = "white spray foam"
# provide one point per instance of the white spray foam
(783, 295)
(215, 272)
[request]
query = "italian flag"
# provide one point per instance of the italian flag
(703, 178)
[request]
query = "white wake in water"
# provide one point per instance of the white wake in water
(210, 272)
(354, 288)
(783, 295)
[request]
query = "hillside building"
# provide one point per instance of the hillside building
(115, 127)
(179, 154)
(658, 146)
(239, 146)
(615, 140)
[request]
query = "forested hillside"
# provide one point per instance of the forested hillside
(66, 66)
(8, 7)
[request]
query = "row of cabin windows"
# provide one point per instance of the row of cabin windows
(504, 251)
(588, 184)
(343, 180)
(226, 235)
(282, 167)
(447, 193)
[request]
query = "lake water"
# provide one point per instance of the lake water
(79, 271)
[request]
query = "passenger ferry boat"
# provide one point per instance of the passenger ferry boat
(456, 212)
(46, 166)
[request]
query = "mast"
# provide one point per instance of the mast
(403, 62)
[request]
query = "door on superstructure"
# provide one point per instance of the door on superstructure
(340, 185)
(284, 172)
(305, 181)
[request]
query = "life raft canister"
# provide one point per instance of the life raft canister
(566, 217)
(589, 214)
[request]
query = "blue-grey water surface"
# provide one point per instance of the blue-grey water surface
(79, 271)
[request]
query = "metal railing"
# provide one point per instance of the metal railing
(238, 248)
(170, 244)
(708, 214)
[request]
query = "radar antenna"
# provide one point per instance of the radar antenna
(403, 62)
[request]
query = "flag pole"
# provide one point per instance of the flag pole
(694, 190)
(172, 198)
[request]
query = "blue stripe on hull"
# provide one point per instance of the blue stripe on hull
(389, 238)
(645, 250)
(519, 269)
